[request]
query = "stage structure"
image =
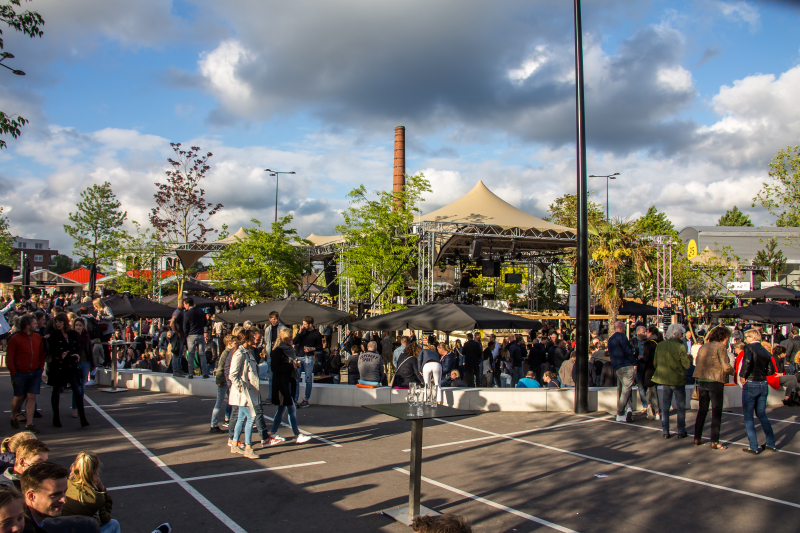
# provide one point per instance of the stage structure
(482, 225)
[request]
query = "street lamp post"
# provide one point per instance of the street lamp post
(277, 177)
(607, 177)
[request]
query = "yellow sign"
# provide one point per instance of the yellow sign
(691, 250)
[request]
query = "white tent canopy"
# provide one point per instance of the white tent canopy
(190, 254)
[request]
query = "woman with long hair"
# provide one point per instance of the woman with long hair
(63, 347)
(86, 494)
(285, 364)
(85, 352)
(244, 392)
(711, 371)
(106, 319)
(408, 367)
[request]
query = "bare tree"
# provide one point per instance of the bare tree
(181, 211)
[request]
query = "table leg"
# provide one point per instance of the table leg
(416, 469)
(114, 350)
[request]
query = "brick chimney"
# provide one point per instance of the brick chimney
(399, 182)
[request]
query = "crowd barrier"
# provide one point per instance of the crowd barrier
(480, 399)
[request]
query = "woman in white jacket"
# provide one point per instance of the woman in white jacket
(244, 391)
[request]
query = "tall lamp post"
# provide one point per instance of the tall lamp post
(608, 177)
(582, 245)
(277, 177)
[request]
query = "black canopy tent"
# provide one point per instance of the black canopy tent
(291, 312)
(445, 315)
(199, 301)
(770, 313)
(128, 306)
(778, 292)
(627, 308)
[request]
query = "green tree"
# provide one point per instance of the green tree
(141, 251)
(29, 23)
(265, 264)
(781, 196)
(655, 223)
(8, 256)
(734, 217)
(771, 257)
(652, 222)
(613, 244)
(378, 241)
(96, 228)
(63, 263)
(564, 211)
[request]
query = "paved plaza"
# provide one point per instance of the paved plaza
(503, 471)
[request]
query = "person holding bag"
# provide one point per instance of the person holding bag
(755, 367)
(244, 392)
(711, 371)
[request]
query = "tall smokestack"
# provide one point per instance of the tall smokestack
(399, 182)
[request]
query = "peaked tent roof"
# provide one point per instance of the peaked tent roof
(322, 240)
(46, 277)
(81, 275)
(482, 206)
(190, 257)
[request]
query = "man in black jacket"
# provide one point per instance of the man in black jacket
(472, 361)
(307, 343)
(516, 359)
(194, 325)
(537, 357)
(756, 366)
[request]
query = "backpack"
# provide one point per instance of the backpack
(93, 327)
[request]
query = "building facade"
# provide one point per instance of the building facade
(746, 242)
(37, 252)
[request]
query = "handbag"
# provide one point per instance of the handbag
(696, 393)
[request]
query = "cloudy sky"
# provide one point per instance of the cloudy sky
(688, 100)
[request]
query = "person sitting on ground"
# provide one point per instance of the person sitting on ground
(12, 510)
(352, 364)
(443, 523)
(8, 448)
(28, 452)
(370, 366)
(455, 379)
(550, 380)
(407, 370)
(44, 487)
(529, 381)
(86, 495)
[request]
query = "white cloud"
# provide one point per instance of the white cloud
(741, 11)
(531, 64)
(675, 78)
(220, 68)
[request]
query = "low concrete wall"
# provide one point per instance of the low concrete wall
(480, 399)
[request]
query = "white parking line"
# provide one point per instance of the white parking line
(770, 419)
(625, 465)
(213, 509)
(214, 476)
(326, 441)
(490, 503)
(533, 430)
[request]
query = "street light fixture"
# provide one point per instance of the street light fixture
(277, 177)
(6, 55)
(607, 177)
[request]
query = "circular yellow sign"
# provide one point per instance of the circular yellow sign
(691, 250)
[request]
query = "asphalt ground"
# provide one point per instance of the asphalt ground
(502, 471)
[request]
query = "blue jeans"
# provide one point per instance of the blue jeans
(667, 392)
(276, 422)
(195, 343)
(86, 367)
(245, 420)
(112, 526)
(642, 390)
(306, 366)
(517, 375)
(754, 398)
(176, 358)
(221, 393)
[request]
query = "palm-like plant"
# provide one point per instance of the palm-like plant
(613, 245)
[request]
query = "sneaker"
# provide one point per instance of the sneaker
(303, 404)
(629, 417)
(658, 416)
(621, 418)
(275, 440)
(31, 428)
(91, 382)
(163, 528)
(249, 453)
(14, 423)
(226, 424)
(215, 429)
(190, 376)
(237, 449)
(302, 439)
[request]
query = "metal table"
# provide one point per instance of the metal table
(407, 513)
(115, 346)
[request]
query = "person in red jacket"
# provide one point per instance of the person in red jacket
(25, 362)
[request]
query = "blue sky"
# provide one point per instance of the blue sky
(687, 100)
